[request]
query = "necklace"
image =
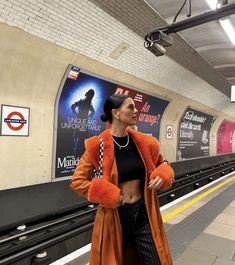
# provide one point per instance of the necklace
(122, 146)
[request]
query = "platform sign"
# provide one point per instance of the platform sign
(194, 134)
(169, 132)
(14, 121)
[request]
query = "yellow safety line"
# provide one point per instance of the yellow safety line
(172, 214)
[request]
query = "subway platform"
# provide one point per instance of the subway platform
(200, 227)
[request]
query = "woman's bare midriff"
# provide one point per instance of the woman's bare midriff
(131, 191)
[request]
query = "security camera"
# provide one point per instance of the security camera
(156, 41)
(155, 48)
(160, 38)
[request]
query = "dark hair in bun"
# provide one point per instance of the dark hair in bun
(113, 102)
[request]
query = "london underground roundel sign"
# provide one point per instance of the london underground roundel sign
(14, 120)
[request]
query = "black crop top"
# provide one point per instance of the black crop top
(129, 162)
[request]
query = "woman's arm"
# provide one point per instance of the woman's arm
(92, 111)
(97, 190)
(162, 176)
(161, 160)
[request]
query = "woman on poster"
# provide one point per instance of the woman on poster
(83, 109)
(128, 226)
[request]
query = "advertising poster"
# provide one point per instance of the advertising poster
(194, 134)
(150, 110)
(225, 137)
(79, 107)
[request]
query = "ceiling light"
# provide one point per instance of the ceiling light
(229, 29)
(212, 4)
(225, 23)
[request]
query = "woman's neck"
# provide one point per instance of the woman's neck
(119, 131)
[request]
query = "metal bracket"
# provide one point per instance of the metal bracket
(160, 36)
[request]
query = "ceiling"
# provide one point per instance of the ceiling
(209, 39)
(144, 16)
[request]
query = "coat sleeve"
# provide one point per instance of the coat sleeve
(164, 171)
(97, 190)
(81, 180)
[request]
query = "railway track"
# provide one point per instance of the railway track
(37, 243)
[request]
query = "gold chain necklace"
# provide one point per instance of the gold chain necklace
(122, 146)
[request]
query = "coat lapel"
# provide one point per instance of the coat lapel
(108, 153)
(145, 145)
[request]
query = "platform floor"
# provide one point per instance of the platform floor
(204, 232)
(200, 228)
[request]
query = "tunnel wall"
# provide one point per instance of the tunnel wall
(31, 72)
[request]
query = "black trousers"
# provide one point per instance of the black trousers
(136, 231)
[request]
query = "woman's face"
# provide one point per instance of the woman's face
(127, 112)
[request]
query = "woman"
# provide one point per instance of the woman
(83, 110)
(128, 227)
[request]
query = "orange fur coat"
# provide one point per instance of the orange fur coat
(106, 237)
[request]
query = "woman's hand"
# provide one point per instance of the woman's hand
(120, 202)
(155, 183)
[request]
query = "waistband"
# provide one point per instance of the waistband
(132, 205)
